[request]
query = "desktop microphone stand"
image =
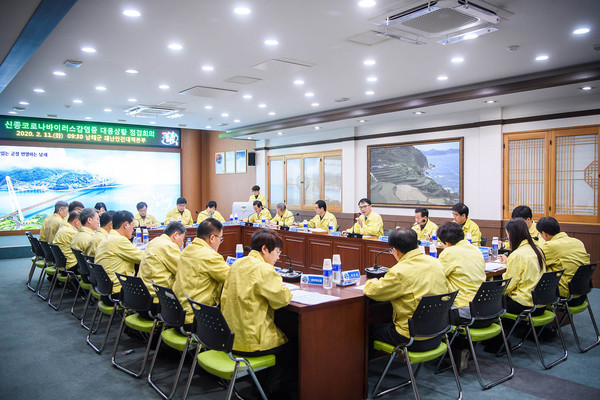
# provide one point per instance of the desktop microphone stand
(289, 275)
(377, 271)
(355, 235)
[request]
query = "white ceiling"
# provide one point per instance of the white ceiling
(313, 31)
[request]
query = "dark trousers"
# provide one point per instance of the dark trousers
(387, 333)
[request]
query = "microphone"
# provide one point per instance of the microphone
(353, 234)
(289, 275)
(377, 271)
(423, 220)
(247, 249)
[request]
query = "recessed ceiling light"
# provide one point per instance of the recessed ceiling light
(249, 137)
(175, 46)
(163, 87)
(208, 107)
(315, 104)
(107, 109)
(369, 62)
(298, 82)
(208, 68)
(442, 78)
(457, 60)
(12, 112)
(153, 122)
(317, 128)
(236, 120)
(582, 88)
(262, 105)
(101, 88)
(131, 100)
(542, 57)
(224, 115)
(362, 120)
(88, 117)
(581, 31)
(77, 101)
(470, 36)
(59, 73)
(132, 71)
(372, 79)
(369, 93)
(39, 90)
(242, 10)
(419, 112)
(24, 103)
(366, 3)
(247, 96)
(88, 49)
(271, 113)
(309, 94)
(280, 133)
(208, 127)
(131, 13)
(490, 101)
(271, 42)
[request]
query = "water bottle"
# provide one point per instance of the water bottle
(230, 219)
(145, 236)
(179, 218)
(331, 233)
(327, 283)
(239, 250)
(235, 219)
(305, 226)
(188, 242)
(495, 248)
(138, 236)
(337, 269)
(263, 223)
(434, 238)
(469, 237)
(432, 250)
(422, 248)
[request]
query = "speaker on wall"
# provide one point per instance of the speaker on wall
(251, 159)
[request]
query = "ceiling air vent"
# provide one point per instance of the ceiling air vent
(147, 111)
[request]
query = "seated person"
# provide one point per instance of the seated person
(73, 206)
(251, 294)
(322, 217)
(101, 233)
(562, 252)
(460, 213)
(256, 196)
(180, 213)
(283, 216)
(414, 276)
(90, 222)
(259, 213)
(201, 270)
(423, 225)
(527, 215)
(63, 239)
(210, 212)
(159, 263)
(100, 207)
(142, 218)
(116, 253)
(369, 223)
(52, 223)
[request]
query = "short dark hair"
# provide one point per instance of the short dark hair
(141, 205)
(461, 209)
(120, 217)
(100, 205)
(87, 213)
(209, 226)
(321, 204)
(522, 212)
(181, 200)
(403, 240)
(450, 232)
(281, 206)
(73, 215)
(364, 200)
(265, 237)
(106, 218)
(211, 204)
(60, 204)
(517, 232)
(548, 225)
(424, 212)
(75, 204)
(257, 203)
(256, 188)
(174, 227)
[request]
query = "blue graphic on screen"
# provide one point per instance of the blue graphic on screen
(33, 179)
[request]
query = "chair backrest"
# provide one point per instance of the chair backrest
(135, 293)
(47, 252)
(546, 290)
(581, 283)
(90, 276)
(103, 284)
(81, 264)
(88, 258)
(171, 311)
(489, 301)
(60, 261)
(35, 245)
(432, 316)
(210, 327)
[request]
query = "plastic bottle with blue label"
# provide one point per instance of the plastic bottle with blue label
(138, 237)
(305, 227)
(433, 250)
(230, 219)
(336, 268)
(434, 238)
(331, 228)
(263, 223)
(235, 219)
(494, 248)
(327, 272)
(188, 242)
(469, 237)
(145, 236)
(239, 250)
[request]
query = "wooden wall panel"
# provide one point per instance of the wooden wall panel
(191, 171)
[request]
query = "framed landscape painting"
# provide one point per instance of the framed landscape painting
(428, 173)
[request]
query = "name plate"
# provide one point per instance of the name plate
(425, 243)
(383, 238)
(312, 279)
(485, 251)
(256, 225)
(277, 269)
(336, 233)
(293, 229)
(226, 223)
(353, 274)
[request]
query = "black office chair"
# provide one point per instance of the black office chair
(545, 295)
(83, 282)
(172, 334)
(136, 300)
(430, 319)
(37, 261)
(49, 271)
(580, 285)
(62, 275)
(103, 286)
(92, 294)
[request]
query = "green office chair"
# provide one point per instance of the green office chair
(37, 261)
(580, 285)
(545, 295)
(213, 333)
(430, 319)
(103, 286)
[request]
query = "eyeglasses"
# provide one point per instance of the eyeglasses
(364, 206)
(221, 238)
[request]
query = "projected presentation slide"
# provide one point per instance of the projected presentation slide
(33, 179)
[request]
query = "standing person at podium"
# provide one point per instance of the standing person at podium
(210, 212)
(259, 213)
(460, 213)
(142, 218)
(52, 223)
(423, 225)
(180, 213)
(369, 223)
(283, 217)
(256, 196)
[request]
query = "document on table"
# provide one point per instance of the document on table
(361, 287)
(291, 286)
(493, 266)
(311, 298)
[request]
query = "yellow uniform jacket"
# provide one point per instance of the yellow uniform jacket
(117, 254)
(323, 223)
(251, 294)
(427, 231)
(159, 263)
(81, 240)
(286, 219)
(148, 220)
(260, 198)
(464, 268)
(186, 217)
(372, 225)
(63, 239)
(200, 275)
(216, 215)
(414, 276)
(522, 266)
(471, 227)
(50, 227)
(258, 217)
(535, 235)
(564, 252)
(95, 240)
